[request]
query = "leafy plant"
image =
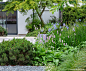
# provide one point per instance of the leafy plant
(16, 52)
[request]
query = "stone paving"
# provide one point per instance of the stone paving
(31, 39)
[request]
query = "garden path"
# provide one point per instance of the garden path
(10, 37)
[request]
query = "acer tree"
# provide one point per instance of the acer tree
(24, 5)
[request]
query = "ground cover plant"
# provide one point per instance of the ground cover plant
(72, 61)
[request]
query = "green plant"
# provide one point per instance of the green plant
(34, 33)
(16, 52)
(75, 35)
(3, 30)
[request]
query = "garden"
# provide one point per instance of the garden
(61, 47)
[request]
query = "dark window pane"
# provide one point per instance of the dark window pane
(11, 18)
(1, 17)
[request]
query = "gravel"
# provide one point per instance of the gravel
(22, 68)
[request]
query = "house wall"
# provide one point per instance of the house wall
(21, 19)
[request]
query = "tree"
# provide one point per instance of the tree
(24, 5)
(61, 5)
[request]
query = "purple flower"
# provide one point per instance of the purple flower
(67, 28)
(60, 34)
(54, 27)
(54, 36)
(52, 39)
(63, 24)
(52, 24)
(79, 19)
(74, 24)
(76, 20)
(57, 32)
(49, 37)
(73, 29)
(77, 25)
(60, 27)
(62, 41)
(42, 30)
(49, 29)
(84, 25)
(57, 24)
(64, 44)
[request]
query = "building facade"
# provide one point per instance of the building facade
(15, 23)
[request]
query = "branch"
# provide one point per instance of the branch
(43, 10)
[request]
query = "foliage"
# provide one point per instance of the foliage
(72, 13)
(16, 52)
(73, 36)
(71, 61)
(53, 20)
(3, 30)
(24, 5)
(33, 34)
(34, 24)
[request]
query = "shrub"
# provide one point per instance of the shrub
(3, 30)
(34, 33)
(70, 14)
(16, 52)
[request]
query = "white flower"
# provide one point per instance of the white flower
(74, 34)
(60, 34)
(62, 41)
(61, 29)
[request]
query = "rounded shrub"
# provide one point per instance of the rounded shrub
(16, 52)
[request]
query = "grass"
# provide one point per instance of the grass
(72, 62)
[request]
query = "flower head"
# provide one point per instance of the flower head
(60, 27)
(63, 24)
(57, 31)
(62, 41)
(57, 24)
(76, 20)
(54, 36)
(49, 29)
(64, 44)
(73, 29)
(79, 19)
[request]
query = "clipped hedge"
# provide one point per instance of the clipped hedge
(16, 52)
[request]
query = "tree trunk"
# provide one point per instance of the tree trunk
(40, 15)
(41, 21)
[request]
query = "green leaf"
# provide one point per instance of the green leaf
(36, 58)
(57, 62)
(43, 58)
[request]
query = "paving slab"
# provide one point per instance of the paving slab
(31, 39)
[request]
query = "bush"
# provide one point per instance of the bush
(3, 30)
(16, 52)
(34, 33)
(70, 14)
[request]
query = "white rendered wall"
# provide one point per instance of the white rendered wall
(21, 22)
